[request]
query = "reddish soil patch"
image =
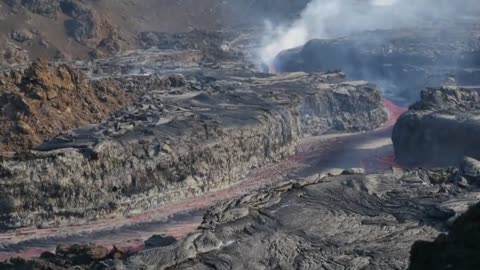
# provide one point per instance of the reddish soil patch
(43, 100)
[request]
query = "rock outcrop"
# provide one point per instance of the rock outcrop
(441, 128)
(402, 61)
(215, 45)
(43, 100)
(181, 138)
(13, 55)
(457, 250)
(344, 221)
(67, 257)
(87, 26)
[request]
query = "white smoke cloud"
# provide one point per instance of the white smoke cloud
(336, 18)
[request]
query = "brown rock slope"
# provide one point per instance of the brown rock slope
(43, 100)
(79, 29)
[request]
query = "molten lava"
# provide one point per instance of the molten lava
(380, 162)
(394, 112)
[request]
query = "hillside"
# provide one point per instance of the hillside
(79, 29)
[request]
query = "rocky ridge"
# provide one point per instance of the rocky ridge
(439, 129)
(372, 222)
(88, 29)
(182, 136)
(456, 250)
(39, 102)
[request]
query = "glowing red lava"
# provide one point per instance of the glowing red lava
(385, 161)
(379, 161)
(394, 112)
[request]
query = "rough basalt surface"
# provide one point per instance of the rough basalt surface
(441, 128)
(343, 221)
(402, 61)
(185, 135)
(459, 248)
(456, 250)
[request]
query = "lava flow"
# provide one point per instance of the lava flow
(394, 112)
(371, 150)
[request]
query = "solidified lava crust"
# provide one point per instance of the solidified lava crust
(199, 125)
(180, 139)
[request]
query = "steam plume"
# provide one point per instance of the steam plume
(335, 18)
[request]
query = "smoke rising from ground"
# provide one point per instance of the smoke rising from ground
(336, 18)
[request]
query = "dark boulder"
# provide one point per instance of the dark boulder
(82, 254)
(160, 241)
(82, 25)
(456, 251)
(440, 129)
(89, 27)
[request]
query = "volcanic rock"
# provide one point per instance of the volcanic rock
(160, 241)
(214, 44)
(43, 100)
(353, 171)
(82, 254)
(86, 25)
(21, 35)
(439, 129)
(110, 44)
(401, 61)
(340, 222)
(68, 257)
(177, 141)
(470, 168)
(456, 250)
(13, 55)
(47, 8)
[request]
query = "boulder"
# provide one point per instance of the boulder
(12, 54)
(457, 250)
(21, 35)
(88, 27)
(470, 168)
(82, 254)
(440, 129)
(340, 222)
(160, 241)
(355, 221)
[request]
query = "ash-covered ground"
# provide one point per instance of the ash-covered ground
(181, 147)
